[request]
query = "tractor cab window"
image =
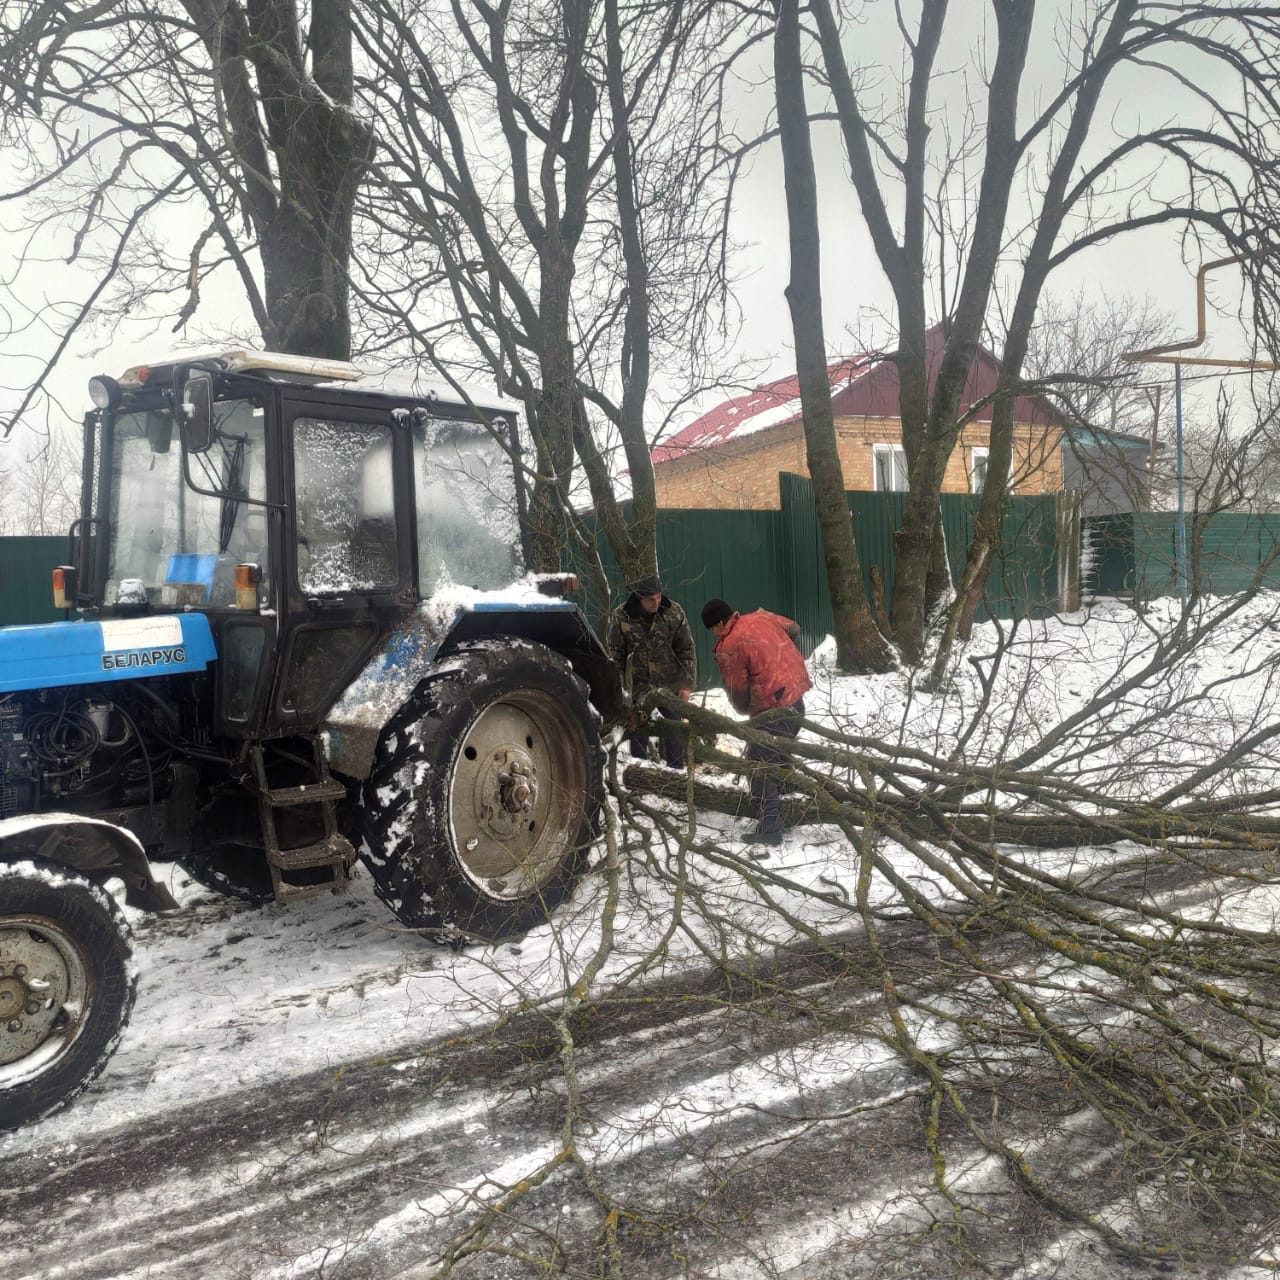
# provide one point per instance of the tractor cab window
(345, 506)
(468, 521)
(169, 546)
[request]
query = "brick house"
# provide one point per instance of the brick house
(730, 457)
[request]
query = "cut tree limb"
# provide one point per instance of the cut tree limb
(718, 794)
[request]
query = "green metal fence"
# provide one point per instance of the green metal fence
(773, 559)
(739, 556)
(1137, 553)
(26, 588)
(753, 559)
(1023, 580)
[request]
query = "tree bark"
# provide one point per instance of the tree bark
(323, 150)
(552, 424)
(295, 114)
(859, 644)
(930, 422)
(634, 546)
(721, 794)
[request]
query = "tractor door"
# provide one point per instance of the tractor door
(349, 553)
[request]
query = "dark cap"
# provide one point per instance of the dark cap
(714, 612)
(650, 585)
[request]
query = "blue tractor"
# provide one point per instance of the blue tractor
(299, 633)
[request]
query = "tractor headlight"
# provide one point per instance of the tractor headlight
(104, 392)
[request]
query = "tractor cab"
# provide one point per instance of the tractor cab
(299, 507)
(251, 687)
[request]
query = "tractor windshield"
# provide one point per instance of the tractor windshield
(169, 546)
(468, 520)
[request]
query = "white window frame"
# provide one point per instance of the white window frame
(897, 467)
(979, 452)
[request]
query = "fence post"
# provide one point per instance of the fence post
(786, 522)
(1067, 524)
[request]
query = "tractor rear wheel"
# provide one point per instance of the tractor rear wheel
(484, 797)
(66, 986)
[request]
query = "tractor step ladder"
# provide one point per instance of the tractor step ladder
(333, 852)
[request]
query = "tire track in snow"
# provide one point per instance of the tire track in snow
(386, 1145)
(201, 1170)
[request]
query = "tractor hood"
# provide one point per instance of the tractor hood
(66, 653)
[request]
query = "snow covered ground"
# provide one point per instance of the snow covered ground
(314, 1091)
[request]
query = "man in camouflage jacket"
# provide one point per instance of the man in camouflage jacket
(650, 640)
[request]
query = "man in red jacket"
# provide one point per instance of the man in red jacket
(763, 670)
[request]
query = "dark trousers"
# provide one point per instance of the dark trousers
(764, 786)
(672, 748)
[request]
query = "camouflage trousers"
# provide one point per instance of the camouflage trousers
(672, 748)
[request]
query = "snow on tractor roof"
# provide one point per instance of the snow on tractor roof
(243, 359)
(449, 390)
(312, 370)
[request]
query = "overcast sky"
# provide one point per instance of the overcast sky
(857, 303)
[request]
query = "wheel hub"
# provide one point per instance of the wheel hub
(516, 793)
(13, 998)
(34, 992)
(506, 791)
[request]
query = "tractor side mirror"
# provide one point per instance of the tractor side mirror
(196, 413)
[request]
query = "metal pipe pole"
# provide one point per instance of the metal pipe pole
(1165, 354)
(1154, 401)
(1182, 506)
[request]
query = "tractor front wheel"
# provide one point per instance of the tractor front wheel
(66, 986)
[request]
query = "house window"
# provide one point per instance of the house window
(977, 469)
(889, 468)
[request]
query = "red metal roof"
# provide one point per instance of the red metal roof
(768, 406)
(864, 385)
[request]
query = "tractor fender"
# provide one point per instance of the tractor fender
(560, 626)
(354, 725)
(99, 850)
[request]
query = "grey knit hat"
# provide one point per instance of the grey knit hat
(650, 585)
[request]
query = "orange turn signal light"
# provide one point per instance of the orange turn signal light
(64, 587)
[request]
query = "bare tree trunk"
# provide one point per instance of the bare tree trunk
(986, 542)
(550, 270)
(306, 253)
(299, 120)
(859, 644)
(635, 546)
(989, 522)
(930, 422)
(913, 407)
(553, 423)
(919, 558)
